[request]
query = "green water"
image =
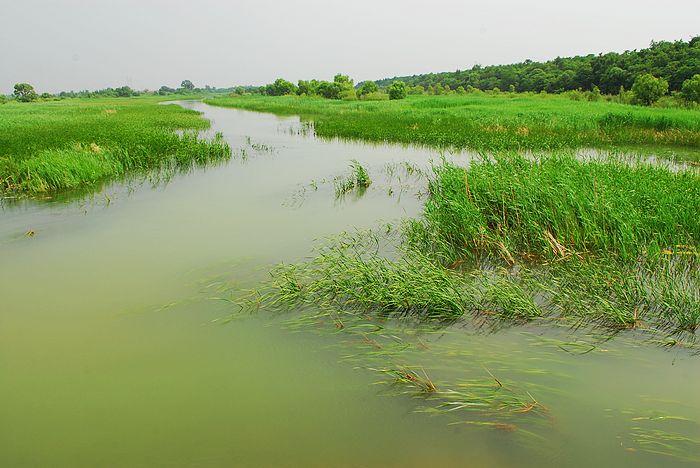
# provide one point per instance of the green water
(112, 351)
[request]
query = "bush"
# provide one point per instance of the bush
(329, 90)
(375, 97)
(367, 87)
(648, 89)
(24, 92)
(348, 95)
(397, 90)
(280, 88)
(691, 89)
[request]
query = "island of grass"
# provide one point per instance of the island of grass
(492, 121)
(76, 143)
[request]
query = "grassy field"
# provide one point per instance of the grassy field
(75, 143)
(486, 122)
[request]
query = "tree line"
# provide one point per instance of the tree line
(342, 87)
(25, 92)
(675, 62)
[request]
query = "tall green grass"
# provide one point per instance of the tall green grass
(76, 143)
(489, 122)
(557, 206)
(516, 239)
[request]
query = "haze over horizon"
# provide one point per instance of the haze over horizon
(81, 44)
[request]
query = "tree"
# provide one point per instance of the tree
(3, 99)
(367, 87)
(24, 92)
(280, 87)
(124, 91)
(164, 91)
(329, 90)
(648, 89)
(187, 85)
(675, 61)
(691, 89)
(308, 88)
(397, 90)
(344, 81)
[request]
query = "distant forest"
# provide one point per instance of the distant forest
(674, 61)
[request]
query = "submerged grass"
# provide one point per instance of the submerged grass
(489, 122)
(76, 143)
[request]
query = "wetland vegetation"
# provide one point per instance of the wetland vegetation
(545, 226)
(76, 143)
(490, 122)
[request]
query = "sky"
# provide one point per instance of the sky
(61, 45)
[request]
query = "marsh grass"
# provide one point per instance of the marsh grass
(489, 122)
(352, 275)
(660, 433)
(557, 207)
(73, 144)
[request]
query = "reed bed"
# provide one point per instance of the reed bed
(71, 144)
(489, 122)
(557, 207)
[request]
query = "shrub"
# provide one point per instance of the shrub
(24, 92)
(648, 89)
(397, 90)
(367, 87)
(280, 88)
(375, 97)
(348, 95)
(691, 89)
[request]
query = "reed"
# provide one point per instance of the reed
(76, 143)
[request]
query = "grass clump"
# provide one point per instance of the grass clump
(358, 179)
(348, 275)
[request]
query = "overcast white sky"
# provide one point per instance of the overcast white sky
(89, 44)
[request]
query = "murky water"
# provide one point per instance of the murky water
(112, 354)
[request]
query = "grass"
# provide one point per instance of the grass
(517, 239)
(486, 122)
(71, 144)
(358, 179)
(352, 277)
(557, 207)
